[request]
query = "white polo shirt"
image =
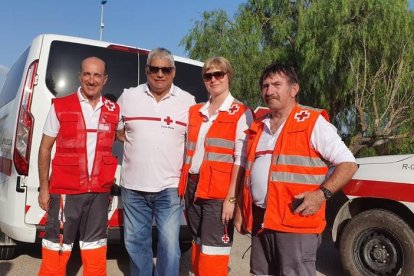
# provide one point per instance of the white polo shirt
(91, 118)
(155, 137)
(240, 144)
(324, 139)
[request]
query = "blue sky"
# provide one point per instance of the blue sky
(141, 23)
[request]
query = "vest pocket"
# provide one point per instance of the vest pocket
(108, 169)
(219, 181)
(297, 221)
(69, 125)
(65, 173)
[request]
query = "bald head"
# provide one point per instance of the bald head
(94, 60)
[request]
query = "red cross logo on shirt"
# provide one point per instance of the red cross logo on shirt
(225, 238)
(168, 120)
(302, 115)
(233, 109)
(110, 105)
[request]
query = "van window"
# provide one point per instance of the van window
(13, 78)
(124, 70)
(62, 75)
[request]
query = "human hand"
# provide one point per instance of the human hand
(228, 211)
(238, 220)
(312, 202)
(44, 199)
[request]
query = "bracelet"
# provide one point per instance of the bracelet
(232, 199)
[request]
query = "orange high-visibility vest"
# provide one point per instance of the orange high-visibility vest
(215, 171)
(70, 165)
(295, 168)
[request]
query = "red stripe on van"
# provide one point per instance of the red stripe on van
(43, 220)
(117, 218)
(381, 189)
(5, 165)
(128, 49)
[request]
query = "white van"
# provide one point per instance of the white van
(49, 68)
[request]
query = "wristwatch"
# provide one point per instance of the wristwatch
(326, 193)
(232, 199)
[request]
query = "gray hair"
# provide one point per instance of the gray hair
(161, 53)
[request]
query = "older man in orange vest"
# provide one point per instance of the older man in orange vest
(286, 184)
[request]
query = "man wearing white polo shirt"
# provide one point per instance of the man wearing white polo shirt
(153, 129)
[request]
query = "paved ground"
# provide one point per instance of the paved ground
(28, 260)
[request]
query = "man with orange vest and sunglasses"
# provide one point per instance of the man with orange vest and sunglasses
(76, 195)
(286, 184)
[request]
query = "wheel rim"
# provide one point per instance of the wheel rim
(378, 251)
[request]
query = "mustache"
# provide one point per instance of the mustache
(272, 97)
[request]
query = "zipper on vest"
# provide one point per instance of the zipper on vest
(96, 149)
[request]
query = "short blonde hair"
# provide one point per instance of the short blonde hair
(221, 63)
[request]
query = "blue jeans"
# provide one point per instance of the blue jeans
(140, 209)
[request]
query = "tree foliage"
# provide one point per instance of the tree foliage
(361, 54)
(354, 58)
(261, 31)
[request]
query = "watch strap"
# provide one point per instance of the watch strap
(326, 192)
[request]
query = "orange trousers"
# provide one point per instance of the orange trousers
(54, 263)
(208, 265)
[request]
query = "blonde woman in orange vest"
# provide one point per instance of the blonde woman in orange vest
(213, 167)
(286, 183)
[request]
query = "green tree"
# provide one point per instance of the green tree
(261, 31)
(354, 58)
(359, 56)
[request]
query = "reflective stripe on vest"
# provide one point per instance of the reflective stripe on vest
(219, 157)
(297, 160)
(297, 178)
(212, 156)
(219, 142)
(191, 146)
(188, 159)
(248, 165)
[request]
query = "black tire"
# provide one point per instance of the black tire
(377, 242)
(7, 252)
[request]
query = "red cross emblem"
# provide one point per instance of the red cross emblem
(225, 238)
(168, 120)
(233, 109)
(110, 105)
(302, 115)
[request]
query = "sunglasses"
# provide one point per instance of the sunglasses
(218, 75)
(164, 70)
